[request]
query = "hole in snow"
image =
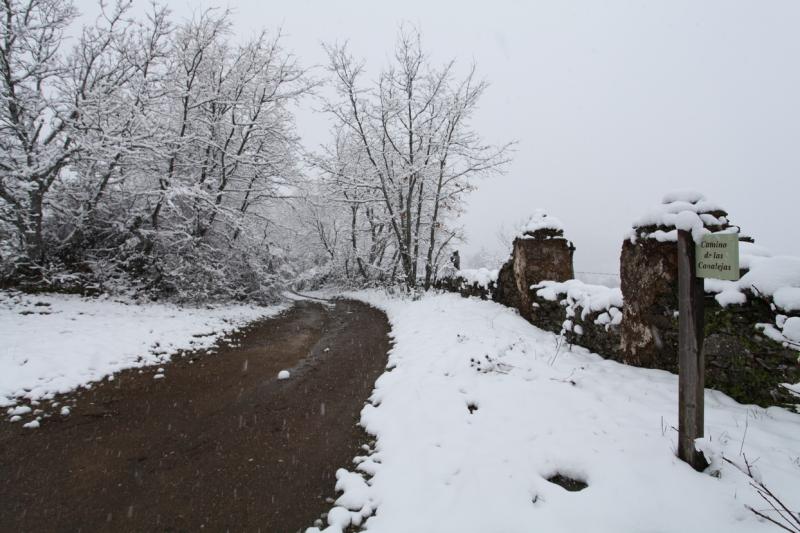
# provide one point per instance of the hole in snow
(571, 484)
(472, 406)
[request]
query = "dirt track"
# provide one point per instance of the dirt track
(219, 444)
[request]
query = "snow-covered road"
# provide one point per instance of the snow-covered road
(480, 408)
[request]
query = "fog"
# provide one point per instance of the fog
(612, 105)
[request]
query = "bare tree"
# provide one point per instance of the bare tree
(34, 118)
(415, 152)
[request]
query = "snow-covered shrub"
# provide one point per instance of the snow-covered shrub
(146, 169)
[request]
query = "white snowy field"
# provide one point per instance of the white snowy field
(52, 344)
(480, 408)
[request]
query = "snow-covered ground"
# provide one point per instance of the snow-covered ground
(480, 408)
(52, 344)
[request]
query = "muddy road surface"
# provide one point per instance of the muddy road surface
(219, 444)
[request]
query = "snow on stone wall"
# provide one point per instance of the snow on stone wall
(748, 352)
(684, 210)
(481, 277)
(582, 299)
(540, 220)
(752, 325)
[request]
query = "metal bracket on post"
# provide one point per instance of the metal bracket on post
(691, 362)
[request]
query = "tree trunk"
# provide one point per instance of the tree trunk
(32, 230)
(434, 221)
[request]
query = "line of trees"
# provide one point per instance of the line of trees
(148, 155)
(163, 157)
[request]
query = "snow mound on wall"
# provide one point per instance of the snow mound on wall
(787, 298)
(540, 220)
(51, 344)
(791, 329)
(777, 277)
(683, 210)
(480, 276)
(575, 294)
(768, 275)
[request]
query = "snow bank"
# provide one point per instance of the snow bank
(480, 408)
(575, 294)
(55, 343)
(684, 210)
(538, 221)
(482, 277)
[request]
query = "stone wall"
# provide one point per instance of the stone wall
(466, 287)
(587, 315)
(603, 339)
(649, 281)
(740, 361)
(543, 254)
(746, 356)
(743, 361)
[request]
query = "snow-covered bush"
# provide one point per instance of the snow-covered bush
(160, 155)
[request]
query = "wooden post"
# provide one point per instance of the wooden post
(691, 362)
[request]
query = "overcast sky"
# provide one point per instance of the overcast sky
(613, 103)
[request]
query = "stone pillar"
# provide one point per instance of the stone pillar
(649, 282)
(539, 253)
(740, 359)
